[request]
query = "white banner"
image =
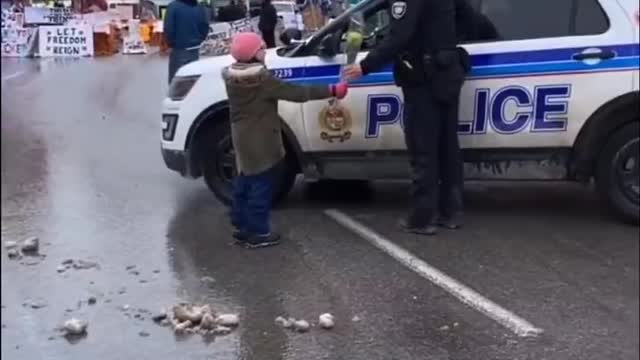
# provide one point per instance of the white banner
(17, 41)
(48, 16)
(66, 41)
(100, 17)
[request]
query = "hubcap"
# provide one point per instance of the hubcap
(226, 160)
(627, 170)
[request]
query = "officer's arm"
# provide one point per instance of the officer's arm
(405, 16)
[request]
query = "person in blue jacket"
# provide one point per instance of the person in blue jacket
(185, 28)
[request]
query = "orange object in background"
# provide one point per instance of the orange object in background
(145, 33)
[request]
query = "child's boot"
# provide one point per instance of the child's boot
(258, 241)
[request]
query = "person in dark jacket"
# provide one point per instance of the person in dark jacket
(185, 28)
(267, 23)
(232, 12)
(256, 133)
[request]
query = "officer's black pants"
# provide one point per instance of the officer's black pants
(430, 129)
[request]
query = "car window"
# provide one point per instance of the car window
(524, 19)
(590, 18)
(337, 26)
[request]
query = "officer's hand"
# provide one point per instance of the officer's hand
(352, 72)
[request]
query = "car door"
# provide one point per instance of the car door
(344, 125)
(554, 63)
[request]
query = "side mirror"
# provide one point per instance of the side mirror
(328, 47)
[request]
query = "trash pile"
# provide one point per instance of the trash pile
(77, 265)
(75, 327)
(326, 321)
(193, 319)
(29, 246)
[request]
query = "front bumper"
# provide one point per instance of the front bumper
(176, 160)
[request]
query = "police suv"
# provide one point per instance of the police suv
(553, 96)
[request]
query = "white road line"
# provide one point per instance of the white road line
(465, 294)
(14, 75)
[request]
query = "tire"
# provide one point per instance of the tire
(617, 174)
(219, 166)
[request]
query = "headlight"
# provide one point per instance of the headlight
(180, 86)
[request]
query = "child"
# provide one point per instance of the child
(256, 134)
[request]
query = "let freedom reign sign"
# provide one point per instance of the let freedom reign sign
(66, 41)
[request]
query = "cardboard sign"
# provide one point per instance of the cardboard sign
(66, 41)
(48, 16)
(17, 41)
(132, 46)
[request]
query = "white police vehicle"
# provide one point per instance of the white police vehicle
(554, 97)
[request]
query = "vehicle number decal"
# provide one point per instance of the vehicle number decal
(283, 73)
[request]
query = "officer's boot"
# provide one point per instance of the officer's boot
(451, 208)
(419, 223)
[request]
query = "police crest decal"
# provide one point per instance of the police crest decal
(398, 9)
(335, 122)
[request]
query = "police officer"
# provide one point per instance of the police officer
(430, 69)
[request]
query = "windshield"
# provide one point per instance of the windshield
(337, 24)
(308, 46)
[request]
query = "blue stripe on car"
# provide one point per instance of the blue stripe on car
(512, 64)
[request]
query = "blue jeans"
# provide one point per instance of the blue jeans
(252, 194)
(180, 57)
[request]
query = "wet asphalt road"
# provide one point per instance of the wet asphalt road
(81, 169)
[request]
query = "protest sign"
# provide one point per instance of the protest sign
(11, 19)
(48, 16)
(17, 41)
(66, 41)
(132, 42)
(219, 38)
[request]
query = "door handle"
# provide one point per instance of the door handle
(603, 55)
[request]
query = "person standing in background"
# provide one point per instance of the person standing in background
(185, 28)
(232, 12)
(267, 23)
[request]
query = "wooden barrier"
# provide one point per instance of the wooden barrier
(145, 32)
(106, 44)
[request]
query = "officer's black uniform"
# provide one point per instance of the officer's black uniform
(430, 70)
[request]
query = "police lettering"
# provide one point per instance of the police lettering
(509, 110)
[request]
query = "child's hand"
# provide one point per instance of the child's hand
(339, 90)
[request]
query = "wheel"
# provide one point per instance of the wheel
(219, 166)
(618, 175)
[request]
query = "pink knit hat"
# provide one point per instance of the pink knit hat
(245, 45)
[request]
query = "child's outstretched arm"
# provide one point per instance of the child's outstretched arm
(280, 90)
